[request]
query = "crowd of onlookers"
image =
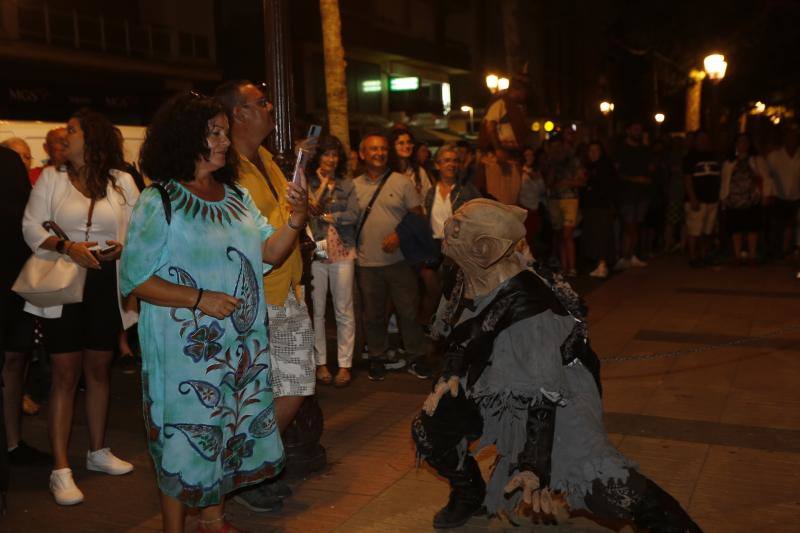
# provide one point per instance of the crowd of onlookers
(376, 220)
(612, 206)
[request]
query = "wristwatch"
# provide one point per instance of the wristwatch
(60, 245)
(292, 226)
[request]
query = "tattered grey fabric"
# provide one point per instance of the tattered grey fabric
(527, 363)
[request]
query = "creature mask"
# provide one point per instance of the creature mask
(481, 233)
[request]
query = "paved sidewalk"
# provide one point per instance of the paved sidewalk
(719, 429)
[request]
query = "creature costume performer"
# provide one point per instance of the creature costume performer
(520, 375)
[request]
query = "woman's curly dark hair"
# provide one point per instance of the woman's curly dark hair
(102, 152)
(325, 144)
(177, 138)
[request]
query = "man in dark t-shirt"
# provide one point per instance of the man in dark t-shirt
(701, 176)
(635, 168)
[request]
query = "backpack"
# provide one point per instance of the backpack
(744, 191)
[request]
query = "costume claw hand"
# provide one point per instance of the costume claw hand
(527, 481)
(537, 501)
(432, 401)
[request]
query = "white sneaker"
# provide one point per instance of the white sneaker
(392, 326)
(63, 487)
(105, 461)
(600, 272)
(622, 264)
(636, 262)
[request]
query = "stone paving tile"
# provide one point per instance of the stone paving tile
(638, 369)
(309, 510)
(762, 408)
(741, 490)
(710, 371)
(689, 403)
(718, 322)
(782, 294)
(696, 431)
(716, 338)
(409, 506)
(772, 371)
(664, 320)
(674, 465)
(623, 396)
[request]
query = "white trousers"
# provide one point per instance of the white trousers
(339, 276)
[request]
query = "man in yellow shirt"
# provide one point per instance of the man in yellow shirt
(291, 337)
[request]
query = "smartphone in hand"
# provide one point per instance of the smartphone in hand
(100, 252)
(304, 155)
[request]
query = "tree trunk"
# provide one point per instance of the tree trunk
(508, 10)
(335, 86)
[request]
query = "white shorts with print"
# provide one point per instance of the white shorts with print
(291, 348)
(702, 221)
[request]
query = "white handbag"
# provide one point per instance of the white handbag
(50, 280)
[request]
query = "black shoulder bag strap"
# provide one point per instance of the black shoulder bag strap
(165, 200)
(368, 210)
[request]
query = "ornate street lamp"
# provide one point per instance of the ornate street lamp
(491, 82)
(470, 110)
(715, 66)
(606, 107)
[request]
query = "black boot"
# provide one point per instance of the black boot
(657, 511)
(641, 501)
(467, 491)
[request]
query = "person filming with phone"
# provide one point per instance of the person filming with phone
(87, 204)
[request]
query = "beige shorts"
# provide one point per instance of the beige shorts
(563, 212)
(702, 221)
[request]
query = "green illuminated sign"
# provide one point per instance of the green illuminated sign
(404, 84)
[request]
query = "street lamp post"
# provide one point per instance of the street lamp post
(304, 454)
(659, 118)
(693, 99)
(715, 67)
(607, 110)
(470, 110)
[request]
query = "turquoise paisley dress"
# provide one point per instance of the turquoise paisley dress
(208, 404)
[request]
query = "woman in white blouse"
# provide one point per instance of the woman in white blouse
(91, 201)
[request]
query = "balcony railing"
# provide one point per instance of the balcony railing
(38, 22)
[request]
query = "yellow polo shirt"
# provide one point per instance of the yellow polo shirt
(279, 280)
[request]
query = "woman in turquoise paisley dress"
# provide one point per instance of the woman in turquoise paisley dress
(196, 254)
